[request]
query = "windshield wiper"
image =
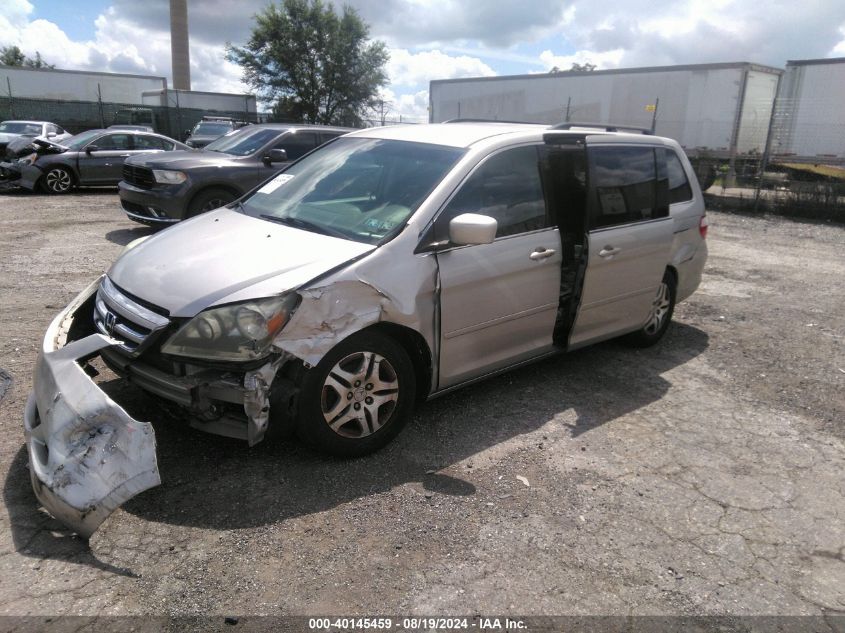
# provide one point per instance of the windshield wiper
(305, 225)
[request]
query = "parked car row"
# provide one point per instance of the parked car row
(160, 191)
(385, 267)
(94, 157)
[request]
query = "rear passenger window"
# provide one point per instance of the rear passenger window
(624, 186)
(151, 142)
(506, 187)
(298, 144)
(679, 188)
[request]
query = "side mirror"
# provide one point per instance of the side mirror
(276, 156)
(92, 148)
(472, 228)
(187, 133)
(51, 135)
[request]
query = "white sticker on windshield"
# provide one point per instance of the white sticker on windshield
(274, 184)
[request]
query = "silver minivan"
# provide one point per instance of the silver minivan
(386, 267)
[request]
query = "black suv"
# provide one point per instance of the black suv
(211, 128)
(163, 190)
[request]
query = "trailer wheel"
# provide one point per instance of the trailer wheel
(706, 172)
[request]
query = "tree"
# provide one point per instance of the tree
(586, 67)
(13, 56)
(315, 65)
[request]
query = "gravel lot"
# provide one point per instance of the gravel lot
(702, 476)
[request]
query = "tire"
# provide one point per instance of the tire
(209, 200)
(662, 308)
(57, 180)
(706, 173)
(358, 397)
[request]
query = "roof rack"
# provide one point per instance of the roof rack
(489, 121)
(602, 126)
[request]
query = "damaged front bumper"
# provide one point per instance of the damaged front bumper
(87, 456)
(10, 175)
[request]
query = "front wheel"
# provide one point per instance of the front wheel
(209, 200)
(57, 180)
(358, 397)
(662, 308)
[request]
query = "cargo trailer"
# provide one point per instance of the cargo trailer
(719, 113)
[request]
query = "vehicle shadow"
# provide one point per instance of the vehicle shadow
(216, 483)
(219, 483)
(38, 535)
(124, 236)
(79, 191)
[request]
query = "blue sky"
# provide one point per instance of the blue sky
(440, 39)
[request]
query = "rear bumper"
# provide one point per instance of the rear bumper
(87, 456)
(690, 272)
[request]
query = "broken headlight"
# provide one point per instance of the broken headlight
(237, 332)
(28, 159)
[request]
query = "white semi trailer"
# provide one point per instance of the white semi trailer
(75, 85)
(809, 122)
(717, 112)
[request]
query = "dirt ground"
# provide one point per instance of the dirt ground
(701, 476)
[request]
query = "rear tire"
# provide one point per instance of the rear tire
(662, 308)
(358, 397)
(209, 200)
(57, 180)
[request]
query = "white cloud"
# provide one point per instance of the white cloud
(603, 60)
(413, 69)
(407, 107)
(839, 49)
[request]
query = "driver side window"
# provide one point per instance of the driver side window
(507, 187)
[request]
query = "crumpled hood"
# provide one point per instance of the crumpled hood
(181, 159)
(225, 256)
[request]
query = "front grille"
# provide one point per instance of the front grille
(119, 316)
(139, 176)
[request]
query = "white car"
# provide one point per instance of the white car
(12, 130)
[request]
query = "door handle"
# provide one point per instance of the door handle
(609, 251)
(541, 253)
(124, 155)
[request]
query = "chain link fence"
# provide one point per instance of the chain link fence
(801, 173)
(77, 116)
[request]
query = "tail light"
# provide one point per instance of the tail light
(702, 226)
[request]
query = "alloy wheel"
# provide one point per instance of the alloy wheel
(359, 395)
(58, 180)
(659, 310)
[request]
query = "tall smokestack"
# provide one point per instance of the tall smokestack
(179, 53)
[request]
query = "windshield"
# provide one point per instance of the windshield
(211, 128)
(16, 127)
(357, 188)
(80, 140)
(244, 141)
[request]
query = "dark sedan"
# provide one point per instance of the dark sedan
(166, 189)
(94, 157)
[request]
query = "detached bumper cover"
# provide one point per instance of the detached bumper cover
(87, 456)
